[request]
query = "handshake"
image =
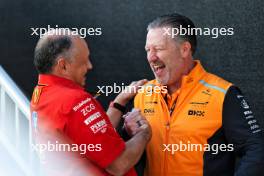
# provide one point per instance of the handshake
(135, 123)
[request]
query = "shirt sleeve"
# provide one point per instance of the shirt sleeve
(89, 126)
(241, 129)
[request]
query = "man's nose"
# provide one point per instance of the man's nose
(89, 65)
(152, 57)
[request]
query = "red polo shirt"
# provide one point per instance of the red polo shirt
(63, 111)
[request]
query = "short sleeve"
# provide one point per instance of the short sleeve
(90, 128)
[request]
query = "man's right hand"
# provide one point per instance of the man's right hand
(136, 123)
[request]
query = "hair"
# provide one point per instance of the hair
(47, 51)
(175, 20)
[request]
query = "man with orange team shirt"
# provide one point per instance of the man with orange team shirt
(203, 123)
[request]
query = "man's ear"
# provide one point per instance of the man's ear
(186, 49)
(62, 64)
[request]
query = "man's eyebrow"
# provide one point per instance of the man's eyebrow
(147, 47)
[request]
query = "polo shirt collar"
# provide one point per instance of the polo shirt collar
(49, 80)
(194, 76)
(190, 80)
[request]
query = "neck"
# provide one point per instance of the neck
(59, 74)
(173, 88)
(176, 85)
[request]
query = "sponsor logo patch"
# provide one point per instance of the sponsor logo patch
(150, 110)
(244, 104)
(92, 118)
(207, 92)
(80, 104)
(196, 113)
(151, 102)
(99, 126)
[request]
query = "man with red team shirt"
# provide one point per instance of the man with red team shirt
(64, 113)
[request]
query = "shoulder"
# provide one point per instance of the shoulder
(215, 82)
(73, 99)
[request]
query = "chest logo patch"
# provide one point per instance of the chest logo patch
(196, 113)
(149, 111)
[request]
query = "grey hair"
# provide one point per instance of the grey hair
(175, 20)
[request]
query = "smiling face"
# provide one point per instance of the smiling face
(167, 58)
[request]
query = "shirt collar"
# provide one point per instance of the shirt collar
(191, 79)
(194, 76)
(48, 80)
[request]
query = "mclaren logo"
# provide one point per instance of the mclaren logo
(151, 102)
(196, 113)
(199, 103)
(207, 92)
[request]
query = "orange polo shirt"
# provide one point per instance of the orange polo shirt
(197, 115)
